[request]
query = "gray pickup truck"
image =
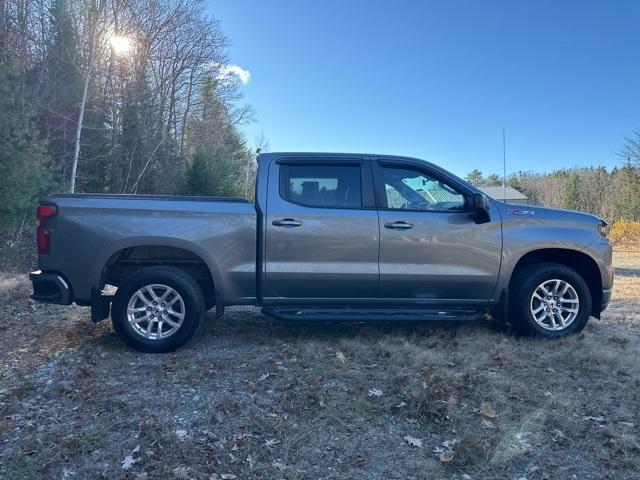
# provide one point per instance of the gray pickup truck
(330, 237)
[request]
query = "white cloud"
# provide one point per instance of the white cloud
(225, 73)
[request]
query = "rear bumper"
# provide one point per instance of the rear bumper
(50, 288)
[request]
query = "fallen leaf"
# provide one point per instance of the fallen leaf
(375, 392)
(446, 456)
(401, 405)
(181, 433)
(486, 410)
(414, 442)
(128, 461)
(449, 443)
(340, 356)
(228, 476)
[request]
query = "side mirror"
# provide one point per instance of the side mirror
(481, 208)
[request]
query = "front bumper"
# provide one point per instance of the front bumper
(50, 288)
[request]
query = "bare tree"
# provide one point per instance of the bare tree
(630, 152)
(95, 20)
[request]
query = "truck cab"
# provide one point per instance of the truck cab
(377, 230)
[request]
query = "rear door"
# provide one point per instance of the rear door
(432, 250)
(321, 229)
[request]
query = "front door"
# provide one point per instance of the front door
(432, 250)
(321, 229)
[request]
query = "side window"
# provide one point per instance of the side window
(413, 190)
(336, 186)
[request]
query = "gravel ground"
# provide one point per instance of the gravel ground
(252, 398)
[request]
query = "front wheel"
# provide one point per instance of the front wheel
(549, 300)
(157, 309)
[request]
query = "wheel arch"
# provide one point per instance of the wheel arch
(123, 258)
(579, 261)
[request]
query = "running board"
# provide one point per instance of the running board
(367, 314)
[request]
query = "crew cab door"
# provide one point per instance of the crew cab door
(432, 250)
(321, 229)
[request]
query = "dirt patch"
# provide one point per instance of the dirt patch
(255, 398)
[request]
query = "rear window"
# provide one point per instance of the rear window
(329, 186)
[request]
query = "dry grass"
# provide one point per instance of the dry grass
(261, 399)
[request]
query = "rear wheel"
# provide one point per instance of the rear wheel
(158, 309)
(549, 300)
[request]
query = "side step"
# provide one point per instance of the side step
(367, 314)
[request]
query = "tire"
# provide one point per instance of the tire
(563, 310)
(170, 322)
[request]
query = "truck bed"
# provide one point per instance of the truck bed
(93, 229)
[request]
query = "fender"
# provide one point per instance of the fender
(102, 259)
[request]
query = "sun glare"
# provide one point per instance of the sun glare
(121, 45)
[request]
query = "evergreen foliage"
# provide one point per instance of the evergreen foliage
(23, 161)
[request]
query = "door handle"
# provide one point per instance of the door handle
(286, 222)
(398, 225)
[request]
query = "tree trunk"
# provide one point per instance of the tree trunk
(76, 146)
(85, 90)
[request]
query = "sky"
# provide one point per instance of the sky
(439, 80)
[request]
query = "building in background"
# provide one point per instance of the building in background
(508, 194)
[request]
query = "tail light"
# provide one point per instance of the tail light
(44, 212)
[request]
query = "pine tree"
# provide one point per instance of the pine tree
(572, 192)
(219, 152)
(23, 162)
(199, 179)
(492, 180)
(474, 177)
(629, 193)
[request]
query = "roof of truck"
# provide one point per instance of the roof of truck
(346, 155)
(339, 154)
